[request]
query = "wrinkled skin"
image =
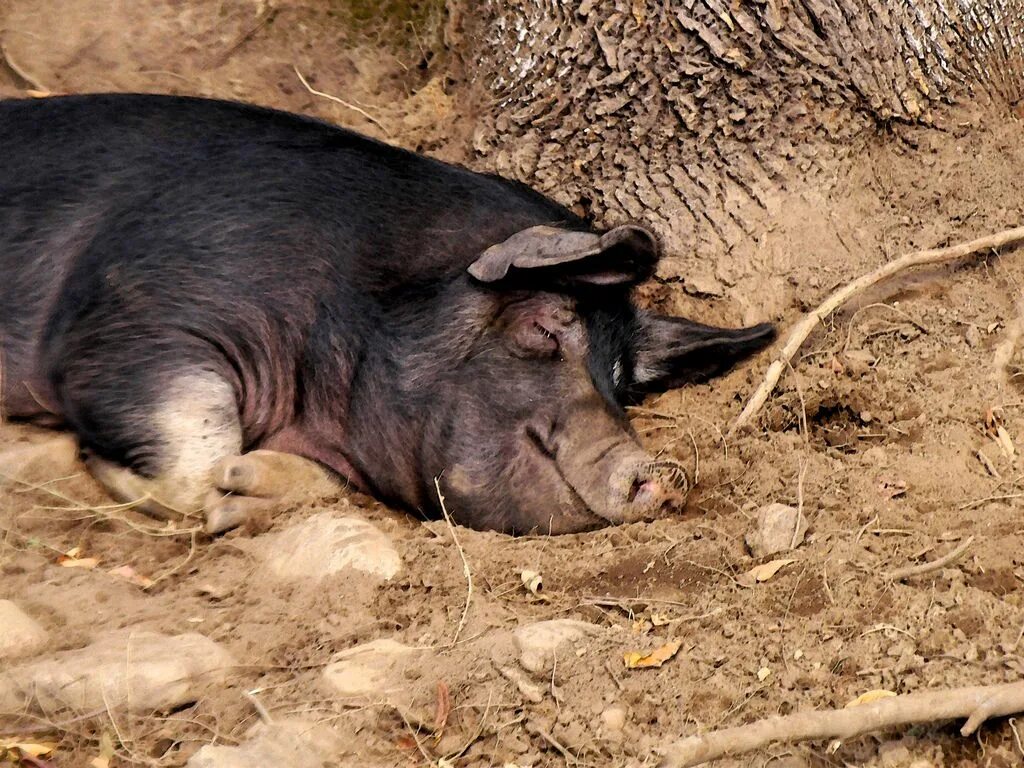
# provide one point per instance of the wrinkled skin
(231, 307)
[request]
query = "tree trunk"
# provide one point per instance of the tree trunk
(692, 115)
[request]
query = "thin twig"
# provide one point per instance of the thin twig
(934, 565)
(343, 103)
(258, 706)
(839, 297)
(570, 758)
(977, 704)
(27, 82)
(465, 563)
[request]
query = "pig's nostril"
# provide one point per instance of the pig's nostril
(645, 491)
(634, 489)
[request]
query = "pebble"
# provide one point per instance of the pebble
(538, 643)
(136, 670)
(281, 744)
(614, 719)
(371, 670)
(324, 545)
(780, 528)
(20, 634)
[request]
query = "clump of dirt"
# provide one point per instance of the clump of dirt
(882, 432)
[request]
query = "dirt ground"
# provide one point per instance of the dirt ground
(883, 432)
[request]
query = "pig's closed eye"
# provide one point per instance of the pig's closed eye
(531, 339)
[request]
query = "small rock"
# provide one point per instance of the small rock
(324, 545)
(972, 336)
(780, 528)
(539, 642)
(283, 744)
(138, 671)
(614, 719)
(530, 690)
(20, 634)
(371, 670)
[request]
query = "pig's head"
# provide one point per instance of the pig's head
(521, 392)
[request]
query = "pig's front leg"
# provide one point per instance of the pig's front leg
(260, 483)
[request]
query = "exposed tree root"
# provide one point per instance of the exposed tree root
(934, 565)
(810, 321)
(977, 704)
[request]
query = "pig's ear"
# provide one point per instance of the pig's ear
(671, 351)
(622, 256)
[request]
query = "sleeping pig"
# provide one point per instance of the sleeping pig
(216, 296)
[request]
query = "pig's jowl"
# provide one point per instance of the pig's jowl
(203, 291)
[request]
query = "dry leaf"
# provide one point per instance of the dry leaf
(35, 94)
(892, 487)
(443, 709)
(71, 559)
(31, 748)
(870, 696)
(129, 573)
(657, 657)
(659, 619)
(1002, 438)
(405, 743)
(763, 674)
(762, 572)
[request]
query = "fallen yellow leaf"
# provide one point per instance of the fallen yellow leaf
(31, 748)
(870, 696)
(762, 572)
(77, 562)
(657, 657)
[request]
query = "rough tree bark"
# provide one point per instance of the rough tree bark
(691, 115)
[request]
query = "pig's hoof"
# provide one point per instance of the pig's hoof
(226, 512)
(260, 483)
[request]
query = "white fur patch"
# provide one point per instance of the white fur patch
(198, 424)
(198, 420)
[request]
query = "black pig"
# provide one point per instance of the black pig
(197, 287)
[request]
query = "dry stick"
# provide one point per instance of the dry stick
(934, 565)
(343, 103)
(27, 81)
(977, 704)
(839, 297)
(465, 562)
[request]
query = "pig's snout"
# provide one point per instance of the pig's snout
(643, 489)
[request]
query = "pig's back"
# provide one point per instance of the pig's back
(216, 212)
(74, 164)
